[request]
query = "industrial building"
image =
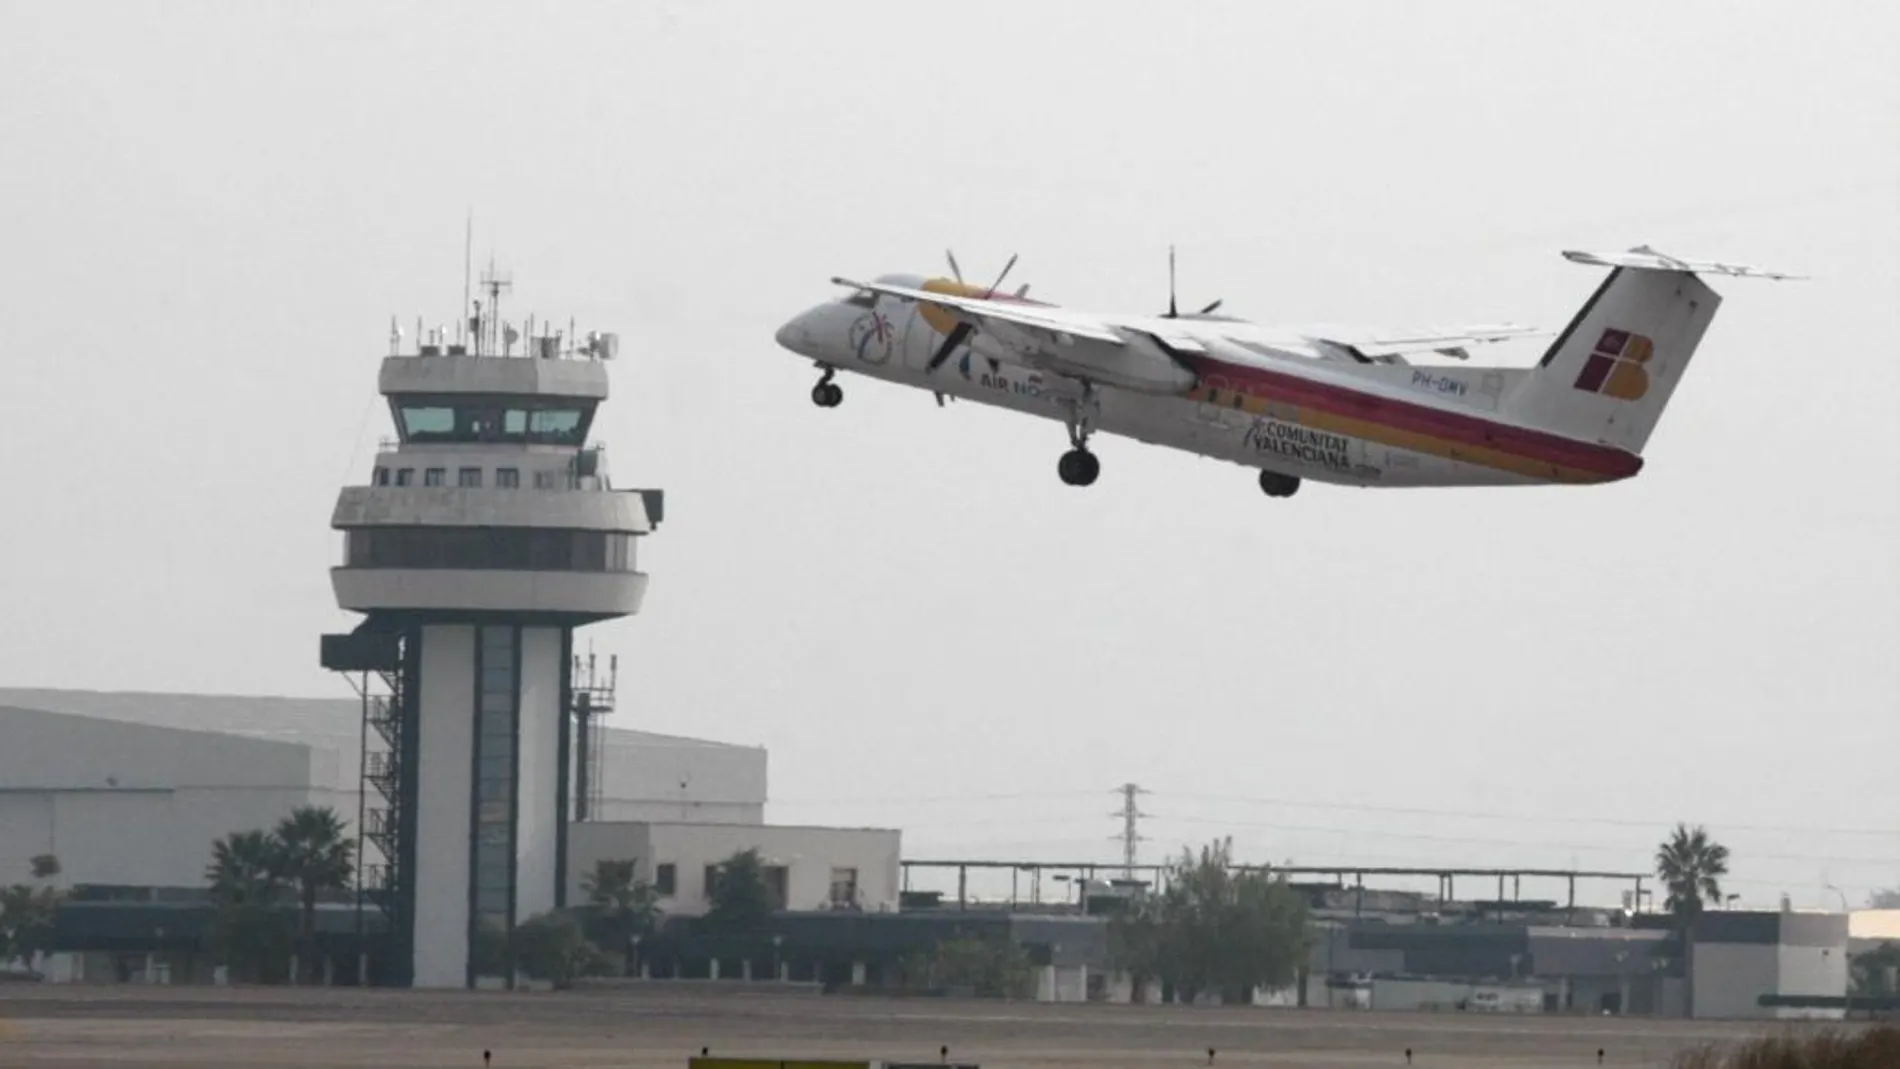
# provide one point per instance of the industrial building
(129, 791)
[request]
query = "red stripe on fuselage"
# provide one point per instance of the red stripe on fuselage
(1609, 462)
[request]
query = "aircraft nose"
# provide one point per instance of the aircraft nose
(796, 333)
(787, 333)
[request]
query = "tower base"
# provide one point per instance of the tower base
(479, 793)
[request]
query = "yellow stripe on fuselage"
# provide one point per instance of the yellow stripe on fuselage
(1395, 437)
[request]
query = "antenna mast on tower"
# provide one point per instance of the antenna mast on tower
(493, 284)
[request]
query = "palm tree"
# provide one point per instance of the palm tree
(247, 883)
(246, 869)
(1691, 866)
(316, 858)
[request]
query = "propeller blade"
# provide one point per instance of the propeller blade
(1022, 290)
(1213, 306)
(1001, 277)
(1172, 313)
(961, 331)
(954, 269)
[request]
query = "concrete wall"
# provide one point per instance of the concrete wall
(809, 855)
(444, 774)
(650, 778)
(643, 771)
(1741, 955)
(133, 804)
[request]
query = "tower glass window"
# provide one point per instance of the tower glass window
(468, 477)
(517, 420)
(515, 549)
(492, 851)
(432, 477)
(507, 478)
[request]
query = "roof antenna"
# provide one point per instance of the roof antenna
(468, 246)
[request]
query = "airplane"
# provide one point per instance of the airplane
(1337, 406)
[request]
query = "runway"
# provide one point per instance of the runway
(139, 1027)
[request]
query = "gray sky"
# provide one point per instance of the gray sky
(210, 211)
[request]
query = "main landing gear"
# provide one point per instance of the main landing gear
(1078, 466)
(827, 394)
(1278, 485)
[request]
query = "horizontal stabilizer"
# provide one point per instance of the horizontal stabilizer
(1644, 258)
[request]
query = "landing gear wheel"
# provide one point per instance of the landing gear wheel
(1278, 485)
(827, 395)
(1078, 467)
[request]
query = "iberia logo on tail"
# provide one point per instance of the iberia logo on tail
(1615, 369)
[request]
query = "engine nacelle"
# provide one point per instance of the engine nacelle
(1141, 363)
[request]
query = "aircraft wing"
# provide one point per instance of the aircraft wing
(1450, 341)
(979, 312)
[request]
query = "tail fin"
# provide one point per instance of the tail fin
(1608, 376)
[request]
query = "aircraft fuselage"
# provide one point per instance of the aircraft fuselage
(1260, 398)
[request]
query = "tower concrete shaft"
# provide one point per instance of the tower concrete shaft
(487, 533)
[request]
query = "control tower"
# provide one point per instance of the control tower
(487, 532)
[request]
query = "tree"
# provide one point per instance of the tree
(1875, 973)
(249, 882)
(552, 946)
(988, 968)
(741, 901)
(1888, 898)
(1691, 866)
(1134, 941)
(27, 915)
(623, 907)
(1215, 928)
(315, 857)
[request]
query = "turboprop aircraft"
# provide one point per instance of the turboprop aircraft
(1342, 406)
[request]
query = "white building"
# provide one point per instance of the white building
(807, 868)
(131, 789)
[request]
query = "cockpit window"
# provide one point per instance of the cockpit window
(862, 299)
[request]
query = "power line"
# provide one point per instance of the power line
(1427, 837)
(1294, 803)
(1131, 836)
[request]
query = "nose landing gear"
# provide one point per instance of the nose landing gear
(827, 394)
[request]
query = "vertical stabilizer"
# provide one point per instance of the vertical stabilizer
(1608, 376)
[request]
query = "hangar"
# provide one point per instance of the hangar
(129, 791)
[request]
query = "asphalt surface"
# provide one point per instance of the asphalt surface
(139, 1027)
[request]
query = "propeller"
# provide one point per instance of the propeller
(962, 331)
(1174, 313)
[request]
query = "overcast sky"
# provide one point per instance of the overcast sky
(209, 211)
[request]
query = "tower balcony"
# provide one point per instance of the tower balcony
(570, 596)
